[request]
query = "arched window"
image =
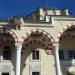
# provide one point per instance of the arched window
(7, 53)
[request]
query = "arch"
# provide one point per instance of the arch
(27, 34)
(14, 35)
(62, 31)
(47, 36)
(35, 39)
(5, 30)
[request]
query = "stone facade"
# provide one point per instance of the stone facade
(45, 30)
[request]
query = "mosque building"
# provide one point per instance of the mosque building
(41, 43)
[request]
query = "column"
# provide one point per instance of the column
(57, 61)
(18, 57)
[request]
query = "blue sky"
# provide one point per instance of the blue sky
(10, 8)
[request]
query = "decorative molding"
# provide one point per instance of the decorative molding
(23, 37)
(47, 44)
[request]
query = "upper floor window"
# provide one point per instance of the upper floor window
(7, 53)
(61, 55)
(35, 73)
(71, 54)
(35, 55)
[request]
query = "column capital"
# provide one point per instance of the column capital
(18, 45)
(56, 44)
(57, 61)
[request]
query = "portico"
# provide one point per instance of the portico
(37, 43)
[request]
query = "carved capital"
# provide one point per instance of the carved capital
(18, 45)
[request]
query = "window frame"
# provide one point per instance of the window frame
(36, 60)
(35, 55)
(62, 58)
(8, 59)
(69, 52)
(35, 72)
(65, 51)
(5, 72)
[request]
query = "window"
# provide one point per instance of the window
(7, 53)
(71, 54)
(61, 55)
(35, 55)
(5, 73)
(35, 73)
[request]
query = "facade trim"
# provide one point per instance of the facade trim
(24, 36)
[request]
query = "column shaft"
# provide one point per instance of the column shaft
(57, 61)
(18, 58)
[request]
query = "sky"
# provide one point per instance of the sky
(9, 8)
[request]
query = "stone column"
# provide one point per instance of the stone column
(57, 61)
(18, 57)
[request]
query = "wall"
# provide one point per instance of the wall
(45, 64)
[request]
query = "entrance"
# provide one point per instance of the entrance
(5, 73)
